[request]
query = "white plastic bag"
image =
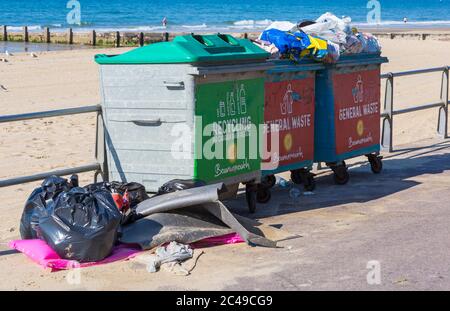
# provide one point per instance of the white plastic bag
(281, 25)
(329, 27)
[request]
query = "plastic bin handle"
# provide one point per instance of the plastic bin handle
(177, 85)
(148, 122)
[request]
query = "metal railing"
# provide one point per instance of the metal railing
(99, 167)
(389, 112)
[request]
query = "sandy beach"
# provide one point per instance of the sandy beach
(65, 79)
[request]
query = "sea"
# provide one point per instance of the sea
(214, 16)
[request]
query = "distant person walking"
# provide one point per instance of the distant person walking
(164, 22)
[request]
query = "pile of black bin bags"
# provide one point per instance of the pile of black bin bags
(82, 223)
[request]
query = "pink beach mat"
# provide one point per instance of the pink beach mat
(42, 254)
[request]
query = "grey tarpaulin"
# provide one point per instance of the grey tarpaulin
(199, 202)
(184, 226)
(180, 199)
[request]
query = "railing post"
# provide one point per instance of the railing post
(388, 121)
(100, 148)
(5, 33)
(443, 111)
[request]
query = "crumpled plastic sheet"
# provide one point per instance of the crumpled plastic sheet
(173, 252)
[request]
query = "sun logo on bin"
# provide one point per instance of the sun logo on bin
(360, 128)
(232, 153)
(288, 142)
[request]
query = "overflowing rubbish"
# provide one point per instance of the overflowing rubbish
(324, 39)
(66, 226)
(81, 225)
(38, 201)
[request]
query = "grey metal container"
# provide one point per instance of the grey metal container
(143, 104)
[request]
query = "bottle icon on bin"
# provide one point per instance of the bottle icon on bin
(358, 91)
(231, 105)
(242, 101)
(221, 111)
(288, 101)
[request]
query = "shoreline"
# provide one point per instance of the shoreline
(51, 41)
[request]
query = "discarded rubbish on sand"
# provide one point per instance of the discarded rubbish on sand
(65, 226)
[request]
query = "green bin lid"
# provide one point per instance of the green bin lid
(189, 49)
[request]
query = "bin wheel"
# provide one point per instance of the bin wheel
(376, 163)
(296, 177)
(269, 181)
(263, 195)
(341, 176)
(310, 183)
(250, 196)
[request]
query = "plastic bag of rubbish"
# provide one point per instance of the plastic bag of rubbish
(180, 184)
(372, 44)
(126, 196)
(281, 25)
(333, 53)
(353, 45)
(81, 225)
(38, 201)
(329, 27)
(135, 193)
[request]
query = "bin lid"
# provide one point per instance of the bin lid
(361, 59)
(189, 49)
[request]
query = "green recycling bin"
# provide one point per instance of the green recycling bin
(185, 109)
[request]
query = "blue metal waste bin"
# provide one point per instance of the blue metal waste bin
(347, 117)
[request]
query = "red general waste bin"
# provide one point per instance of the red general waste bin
(289, 115)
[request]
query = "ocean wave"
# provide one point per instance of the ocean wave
(402, 23)
(125, 29)
(251, 22)
(202, 26)
(20, 28)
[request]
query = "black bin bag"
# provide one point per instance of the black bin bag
(81, 225)
(180, 184)
(37, 203)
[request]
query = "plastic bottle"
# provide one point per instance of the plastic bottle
(295, 193)
(282, 183)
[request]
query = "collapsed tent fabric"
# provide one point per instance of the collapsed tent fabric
(175, 215)
(182, 227)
